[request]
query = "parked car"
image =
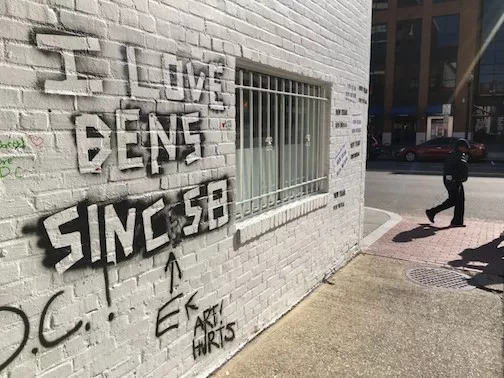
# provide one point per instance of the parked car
(439, 149)
(374, 148)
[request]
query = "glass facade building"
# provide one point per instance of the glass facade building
(426, 78)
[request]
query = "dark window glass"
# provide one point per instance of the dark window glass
(409, 3)
(407, 58)
(380, 4)
(440, 1)
(488, 57)
(432, 142)
(499, 58)
(492, 62)
(378, 60)
(440, 142)
(486, 70)
(443, 58)
(445, 141)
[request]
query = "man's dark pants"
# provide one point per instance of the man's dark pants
(456, 198)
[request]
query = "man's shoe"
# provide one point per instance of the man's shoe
(457, 225)
(430, 215)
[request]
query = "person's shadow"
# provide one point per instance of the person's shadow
(420, 232)
(488, 259)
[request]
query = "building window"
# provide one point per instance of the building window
(407, 58)
(280, 136)
(378, 64)
(491, 69)
(440, 1)
(443, 58)
(408, 3)
(380, 4)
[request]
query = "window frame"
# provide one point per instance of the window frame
(406, 67)
(380, 5)
(443, 58)
(492, 57)
(403, 5)
(281, 98)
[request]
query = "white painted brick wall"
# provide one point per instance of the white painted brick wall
(246, 274)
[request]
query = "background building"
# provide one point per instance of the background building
(175, 176)
(437, 68)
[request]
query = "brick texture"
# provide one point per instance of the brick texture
(477, 247)
(120, 252)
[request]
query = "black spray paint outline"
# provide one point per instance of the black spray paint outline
(26, 324)
(171, 264)
(51, 343)
(174, 209)
(143, 149)
(160, 320)
(190, 305)
(42, 339)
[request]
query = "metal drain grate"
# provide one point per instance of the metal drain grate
(439, 278)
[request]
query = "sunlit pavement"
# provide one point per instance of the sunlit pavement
(479, 247)
(368, 320)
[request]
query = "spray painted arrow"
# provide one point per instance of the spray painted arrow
(190, 305)
(171, 264)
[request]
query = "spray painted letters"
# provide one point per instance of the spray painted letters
(169, 138)
(86, 234)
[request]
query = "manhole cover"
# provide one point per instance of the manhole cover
(439, 277)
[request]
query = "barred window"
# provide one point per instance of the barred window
(279, 141)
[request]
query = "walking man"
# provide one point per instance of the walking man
(455, 172)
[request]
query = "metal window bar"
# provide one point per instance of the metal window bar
(289, 162)
(290, 144)
(301, 142)
(316, 140)
(241, 202)
(296, 144)
(322, 140)
(269, 144)
(281, 144)
(307, 151)
(251, 144)
(312, 142)
(260, 136)
(276, 143)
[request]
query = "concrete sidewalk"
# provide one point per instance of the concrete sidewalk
(373, 219)
(369, 320)
(477, 248)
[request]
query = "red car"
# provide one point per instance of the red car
(439, 149)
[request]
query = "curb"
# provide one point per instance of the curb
(439, 173)
(392, 158)
(369, 240)
(438, 170)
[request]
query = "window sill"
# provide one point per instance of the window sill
(263, 223)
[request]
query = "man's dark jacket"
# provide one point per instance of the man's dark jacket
(455, 170)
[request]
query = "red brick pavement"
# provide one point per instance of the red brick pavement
(479, 246)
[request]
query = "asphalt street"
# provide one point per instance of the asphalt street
(410, 188)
